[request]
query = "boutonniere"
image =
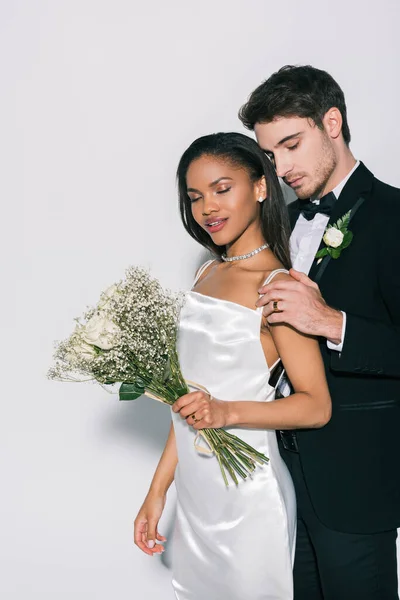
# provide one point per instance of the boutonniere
(336, 238)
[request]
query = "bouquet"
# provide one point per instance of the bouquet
(130, 338)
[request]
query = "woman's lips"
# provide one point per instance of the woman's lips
(216, 225)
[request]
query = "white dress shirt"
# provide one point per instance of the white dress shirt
(305, 240)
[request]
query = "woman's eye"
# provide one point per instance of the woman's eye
(223, 191)
(194, 199)
(293, 147)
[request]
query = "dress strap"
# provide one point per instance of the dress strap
(278, 372)
(201, 271)
(269, 279)
(273, 273)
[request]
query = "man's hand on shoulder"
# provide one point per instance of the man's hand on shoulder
(300, 304)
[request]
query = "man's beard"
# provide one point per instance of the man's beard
(322, 173)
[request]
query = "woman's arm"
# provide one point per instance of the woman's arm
(146, 533)
(164, 473)
(309, 406)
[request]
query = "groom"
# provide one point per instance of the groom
(347, 474)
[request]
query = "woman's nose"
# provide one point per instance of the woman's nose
(210, 205)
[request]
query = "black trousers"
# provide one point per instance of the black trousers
(331, 565)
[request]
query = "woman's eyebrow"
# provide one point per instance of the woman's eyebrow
(210, 184)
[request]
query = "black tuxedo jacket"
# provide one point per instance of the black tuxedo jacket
(352, 465)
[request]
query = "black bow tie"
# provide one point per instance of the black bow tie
(326, 203)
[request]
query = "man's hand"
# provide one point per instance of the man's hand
(201, 410)
(301, 305)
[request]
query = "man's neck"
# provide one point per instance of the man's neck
(345, 164)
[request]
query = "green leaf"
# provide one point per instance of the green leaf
(130, 391)
(344, 221)
(167, 371)
(348, 237)
(335, 252)
(321, 253)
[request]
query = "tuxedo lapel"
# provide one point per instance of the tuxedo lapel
(352, 197)
(325, 261)
(359, 184)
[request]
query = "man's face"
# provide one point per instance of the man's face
(303, 154)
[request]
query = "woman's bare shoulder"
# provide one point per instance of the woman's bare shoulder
(204, 270)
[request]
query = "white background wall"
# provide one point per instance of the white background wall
(98, 101)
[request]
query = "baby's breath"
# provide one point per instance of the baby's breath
(130, 337)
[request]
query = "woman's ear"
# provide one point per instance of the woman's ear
(261, 189)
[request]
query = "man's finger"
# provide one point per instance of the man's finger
(271, 296)
(276, 318)
(269, 309)
(302, 278)
(281, 284)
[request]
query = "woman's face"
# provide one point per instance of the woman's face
(224, 200)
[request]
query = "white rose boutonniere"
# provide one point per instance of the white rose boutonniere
(336, 238)
(333, 237)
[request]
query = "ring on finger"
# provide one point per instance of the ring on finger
(275, 306)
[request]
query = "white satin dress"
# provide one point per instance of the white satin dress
(234, 543)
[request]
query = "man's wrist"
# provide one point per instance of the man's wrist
(333, 326)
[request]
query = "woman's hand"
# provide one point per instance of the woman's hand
(146, 535)
(201, 410)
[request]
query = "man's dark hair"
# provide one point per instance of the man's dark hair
(295, 92)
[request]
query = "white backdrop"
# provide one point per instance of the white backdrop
(98, 100)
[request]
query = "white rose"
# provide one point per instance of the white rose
(81, 349)
(333, 237)
(107, 295)
(100, 331)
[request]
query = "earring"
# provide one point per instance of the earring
(260, 199)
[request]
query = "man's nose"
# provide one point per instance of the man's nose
(282, 166)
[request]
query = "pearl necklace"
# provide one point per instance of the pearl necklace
(226, 258)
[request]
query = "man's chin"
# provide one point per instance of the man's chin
(300, 189)
(303, 196)
(304, 193)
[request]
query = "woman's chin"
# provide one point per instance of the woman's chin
(220, 240)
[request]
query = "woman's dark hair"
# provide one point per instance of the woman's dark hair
(240, 151)
(295, 92)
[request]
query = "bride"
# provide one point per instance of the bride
(233, 543)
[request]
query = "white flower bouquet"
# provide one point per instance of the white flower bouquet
(130, 338)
